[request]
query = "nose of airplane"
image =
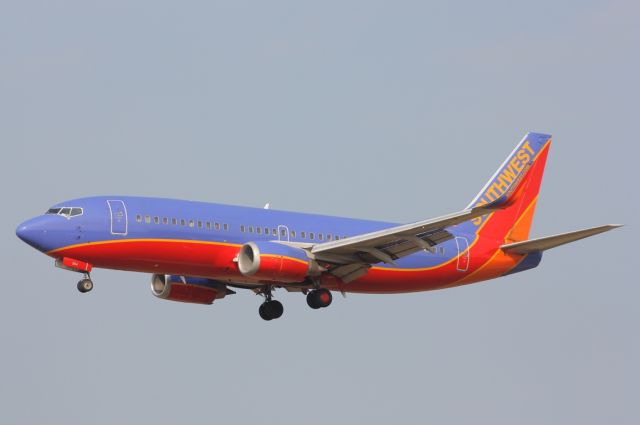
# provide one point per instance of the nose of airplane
(33, 232)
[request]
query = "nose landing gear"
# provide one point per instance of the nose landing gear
(85, 284)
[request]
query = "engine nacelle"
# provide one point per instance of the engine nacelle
(187, 289)
(275, 262)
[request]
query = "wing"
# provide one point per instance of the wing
(353, 256)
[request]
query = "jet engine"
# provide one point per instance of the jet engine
(276, 262)
(187, 289)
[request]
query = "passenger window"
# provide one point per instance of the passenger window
(183, 222)
(190, 223)
(147, 219)
(328, 237)
(199, 224)
(303, 235)
(311, 235)
(139, 218)
(242, 228)
(156, 220)
(208, 225)
(274, 232)
(320, 236)
(283, 232)
(174, 221)
(337, 237)
(259, 230)
(165, 220)
(217, 225)
(293, 233)
(441, 250)
(266, 231)
(226, 227)
(250, 229)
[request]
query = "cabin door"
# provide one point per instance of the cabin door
(283, 233)
(463, 254)
(118, 213)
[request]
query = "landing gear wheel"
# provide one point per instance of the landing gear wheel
(270, 310)
(319, 298)
(276, 309)
(262, 310)
(85, 285)
(312, 300)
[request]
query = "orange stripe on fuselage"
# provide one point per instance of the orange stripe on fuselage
(53, 252)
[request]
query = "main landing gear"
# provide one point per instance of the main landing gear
(85, 284)
(319, 298)
(270, 309)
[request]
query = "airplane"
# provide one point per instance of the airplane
(199, 252)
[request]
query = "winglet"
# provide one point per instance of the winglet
(541, 244)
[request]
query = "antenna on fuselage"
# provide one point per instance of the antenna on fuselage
(267, 206)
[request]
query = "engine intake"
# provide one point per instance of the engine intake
(187, 290)
(275, 262)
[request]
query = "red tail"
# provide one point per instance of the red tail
(525, 163)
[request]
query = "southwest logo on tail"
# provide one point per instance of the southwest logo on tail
(198, 252)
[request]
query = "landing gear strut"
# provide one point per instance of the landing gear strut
(85, 284)
(270, 309)
(319, 298)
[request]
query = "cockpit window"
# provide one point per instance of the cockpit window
(67, 212)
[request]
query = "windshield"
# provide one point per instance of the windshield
(67, 212)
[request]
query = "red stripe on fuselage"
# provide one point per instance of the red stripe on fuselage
(179, 257)
(215, 261)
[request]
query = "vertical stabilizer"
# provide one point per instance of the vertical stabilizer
(523, 170)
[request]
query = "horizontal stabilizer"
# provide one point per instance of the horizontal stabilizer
(541, 244)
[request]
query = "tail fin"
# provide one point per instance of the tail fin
(521, 173)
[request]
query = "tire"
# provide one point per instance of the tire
(312, 300)
(324, 297)
(263, 311)
(319, 298)
(85, 285)
(275, 309)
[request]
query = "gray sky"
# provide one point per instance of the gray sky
(385, 110)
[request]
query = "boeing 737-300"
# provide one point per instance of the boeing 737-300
(198, 252)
